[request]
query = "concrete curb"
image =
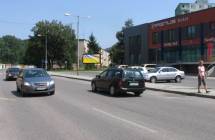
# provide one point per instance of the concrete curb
(204, 95)
(149, 88)
(71, 77)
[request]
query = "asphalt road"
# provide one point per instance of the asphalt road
(75, 113)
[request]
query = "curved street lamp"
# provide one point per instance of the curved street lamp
(77, 35)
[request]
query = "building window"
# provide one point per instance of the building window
(170, 36)
(171, 55)
(190, 32)
(191, 53)
(135, 48)
(156, 37)
(212, 26)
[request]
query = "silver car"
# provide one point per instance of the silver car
(33, 81)
(164, 74)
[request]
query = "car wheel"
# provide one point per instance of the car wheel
(112, 91)
(153, 79)
(94, 88)
(138, 93)
(178, 79)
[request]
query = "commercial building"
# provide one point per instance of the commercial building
(180, 40)
(105, 58)
(83, 49)
(185, 8)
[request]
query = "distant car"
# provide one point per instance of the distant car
(122, 66)
(143, 70)
(33, 81)
(118, 80)
(150, 66)
(164, 74)
(12, 73)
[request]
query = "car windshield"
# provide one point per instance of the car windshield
(35, 73)
(132, 74)
(13, 70)
(154, 70)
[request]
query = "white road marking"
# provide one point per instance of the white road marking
(6, 99)
(124, 120)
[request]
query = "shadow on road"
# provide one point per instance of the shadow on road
(120, 95)
(17, 94)
(9, 80)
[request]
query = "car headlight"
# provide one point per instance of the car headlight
(51, 82)
(27, 84)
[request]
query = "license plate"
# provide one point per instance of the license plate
(40, 88)
(133, 84)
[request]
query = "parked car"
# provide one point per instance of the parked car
(118, 80)
(12, 73)
(164, 74)
(143, 70)
(33, 81)
(150, 66)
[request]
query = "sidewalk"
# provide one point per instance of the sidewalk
(191, 91)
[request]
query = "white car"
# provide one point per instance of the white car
(143, 70)
(164, 74)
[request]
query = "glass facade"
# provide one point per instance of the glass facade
(171, 55)
(135, 49)
(191, 54)
(154, 55)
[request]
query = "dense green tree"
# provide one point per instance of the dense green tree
(12, 49)
(117, 51)
(93, 45)
(61, 44)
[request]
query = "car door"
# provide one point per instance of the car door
(100, 80)
(109, 79)
(172, 73)
(163, 74)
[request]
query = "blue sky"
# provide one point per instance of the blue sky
(108, 16)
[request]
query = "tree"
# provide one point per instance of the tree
(61, 44)
(93, 49)
(93, 45)
(12, 49)
(117, 51)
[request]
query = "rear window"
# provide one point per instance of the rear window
(132, 74)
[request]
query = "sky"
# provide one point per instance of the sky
(17, 17)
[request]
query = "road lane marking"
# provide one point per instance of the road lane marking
(124, 120)
(6, 99)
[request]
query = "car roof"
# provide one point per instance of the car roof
(165, 67)
(122, 69)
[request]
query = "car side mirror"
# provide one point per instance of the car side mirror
(98, 76)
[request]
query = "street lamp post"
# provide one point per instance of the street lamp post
(46, 59)
(46, 50)
(77, 35)
(78, 45)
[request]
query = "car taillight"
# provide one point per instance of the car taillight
(120, 83)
